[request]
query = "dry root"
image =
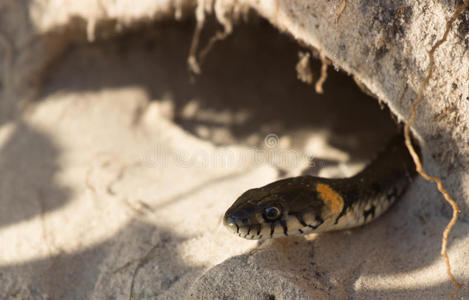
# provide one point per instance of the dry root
(340, 10)
(323, 77)
(418, 164)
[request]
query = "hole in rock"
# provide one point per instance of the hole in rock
(247, 91)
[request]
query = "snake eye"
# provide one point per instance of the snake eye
(271, 213)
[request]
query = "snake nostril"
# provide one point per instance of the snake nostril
(230, 222)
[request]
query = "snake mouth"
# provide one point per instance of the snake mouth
(283, 227)
(250, 231)
(258, 231)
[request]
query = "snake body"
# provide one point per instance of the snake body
(305, 204)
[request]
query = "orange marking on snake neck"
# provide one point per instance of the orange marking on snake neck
(330, 197)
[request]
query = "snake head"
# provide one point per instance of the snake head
(282, 208)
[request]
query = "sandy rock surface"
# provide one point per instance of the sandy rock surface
(117, 164)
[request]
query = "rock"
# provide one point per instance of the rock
(117, 164)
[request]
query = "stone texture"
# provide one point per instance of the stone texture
(116, 164)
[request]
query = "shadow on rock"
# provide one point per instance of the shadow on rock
(28, 170)
(140, 256)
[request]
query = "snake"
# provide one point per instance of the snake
(309, 204)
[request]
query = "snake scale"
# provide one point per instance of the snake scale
(306, 204)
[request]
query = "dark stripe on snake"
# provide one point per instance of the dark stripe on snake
(319, 220)
(272, 229)
(370, 211)
(301, 220)
(285, 227)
